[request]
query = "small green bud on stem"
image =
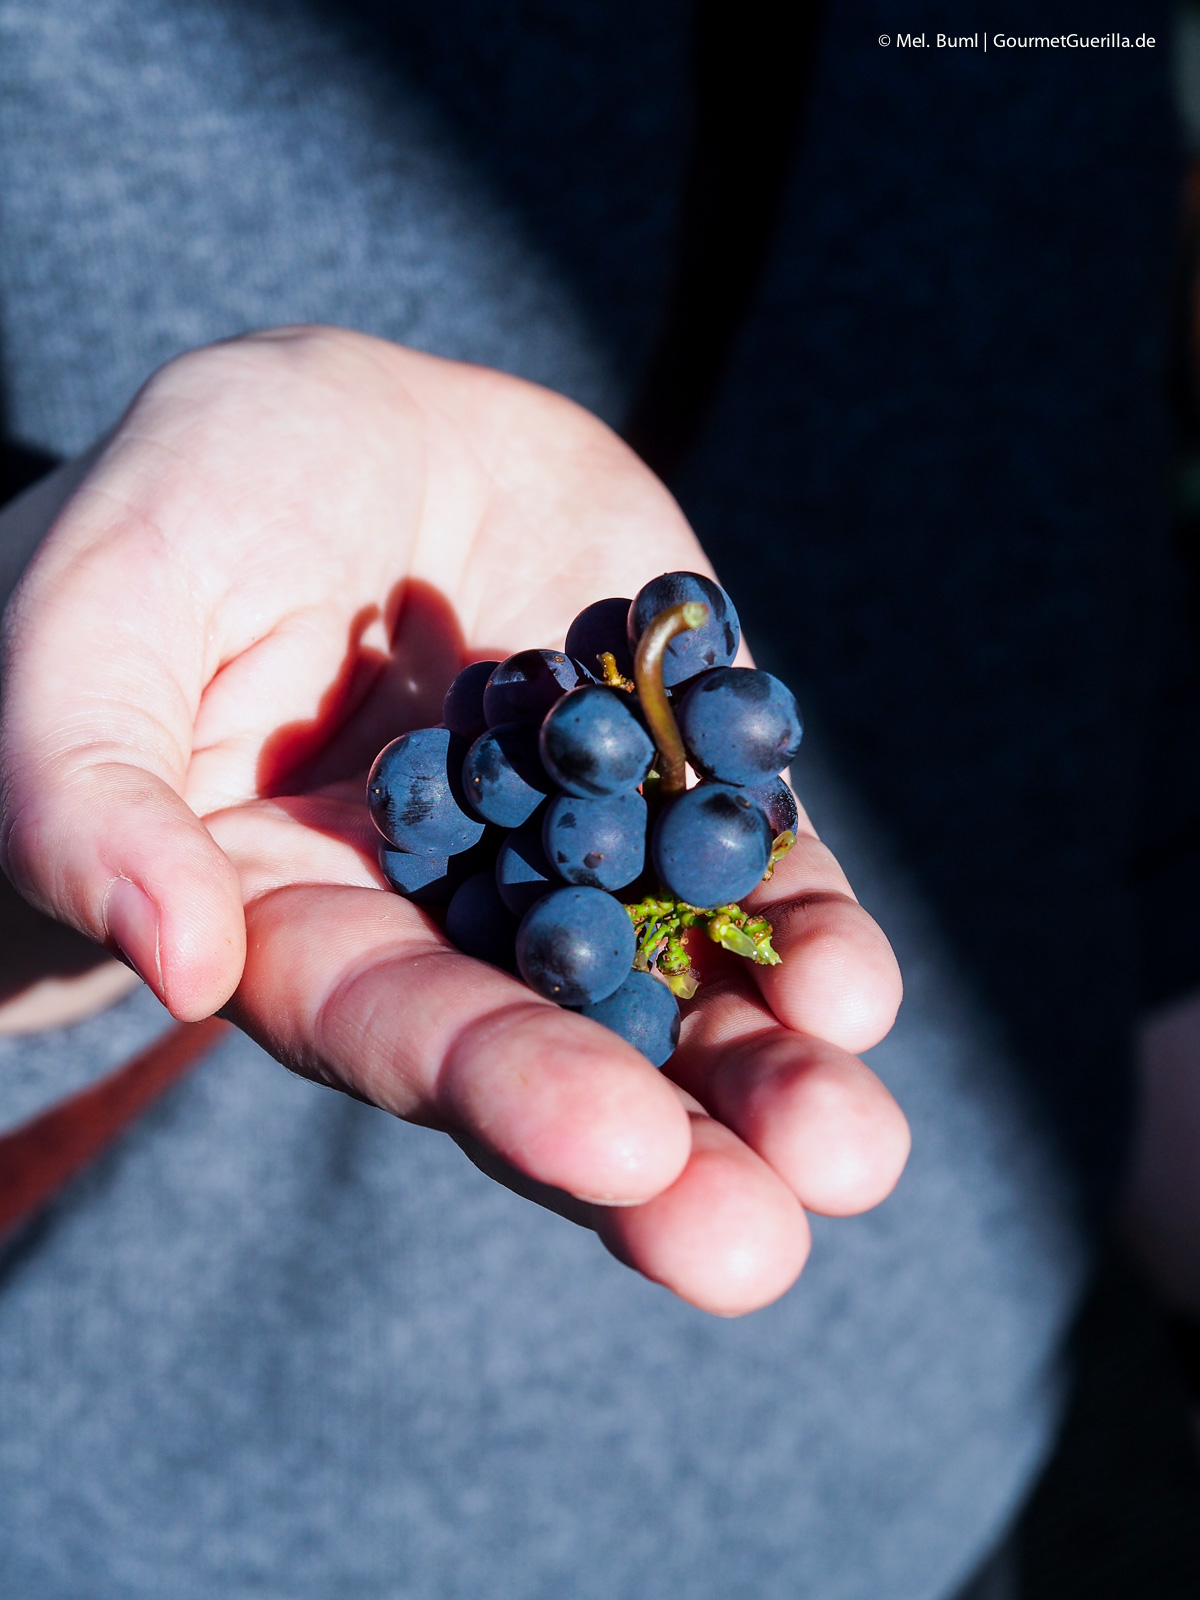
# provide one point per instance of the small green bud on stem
(780, 846)
(613, 676)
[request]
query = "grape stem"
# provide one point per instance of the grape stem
(648, 675)
(661, 923)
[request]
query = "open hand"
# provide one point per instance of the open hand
(277, 563)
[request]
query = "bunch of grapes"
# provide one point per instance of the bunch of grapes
(550, 813)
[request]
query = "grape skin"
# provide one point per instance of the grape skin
(523, 688)
(601, 628)
(462, 709)
(713, 645)
(740, 725)
(503, 776)
(575, 946)
(712, 845)
(644, 1012)
(425, 880)
(599, 844)
(432, 880)
(777, 803)
(479, 923)
(523, 873)
(592, 743)
(414, 794)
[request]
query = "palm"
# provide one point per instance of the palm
(288, 551)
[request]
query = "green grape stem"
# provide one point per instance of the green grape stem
(661, 924)
(660, 921)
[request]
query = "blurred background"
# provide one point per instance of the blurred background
(1116, 1515)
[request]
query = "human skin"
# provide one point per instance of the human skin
(1159, 1209)
(276, 563)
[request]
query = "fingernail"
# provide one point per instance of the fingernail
(131, 919)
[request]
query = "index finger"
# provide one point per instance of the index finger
(356, 988)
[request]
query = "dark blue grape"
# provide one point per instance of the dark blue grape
(432, 880)
(462, 709)
(414, 793)
(575, 946)
(503, 776)
(600, 844)
(592, 743)
(425, 880)
(523, 688)
(740, 726)
(644, 1012)
(523, 874)
(777, 803)
(480, 924)
(711, 846)
(713, 645)
(600, 628)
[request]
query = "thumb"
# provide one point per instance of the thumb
(111, 849)
(103, 673)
